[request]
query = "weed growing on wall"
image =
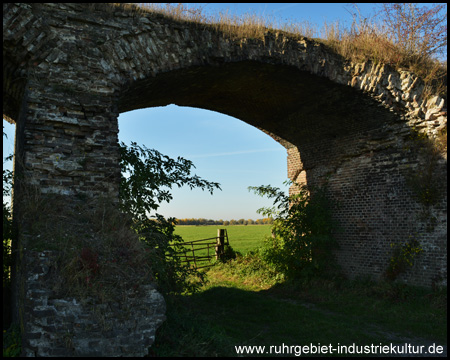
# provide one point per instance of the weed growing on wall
(427, 182)
(402, 257)
(98, 254)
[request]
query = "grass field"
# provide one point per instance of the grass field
(243, 238)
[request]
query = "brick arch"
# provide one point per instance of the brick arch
(293, 106)
(69, 70)
(116, 56)
(290, 104)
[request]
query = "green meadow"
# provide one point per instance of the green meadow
(242, 238)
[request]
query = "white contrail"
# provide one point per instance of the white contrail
(231, 153)
(285, 7)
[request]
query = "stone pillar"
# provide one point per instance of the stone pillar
(67, 142)
(66, 146)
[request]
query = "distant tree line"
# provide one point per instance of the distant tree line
(202, 221)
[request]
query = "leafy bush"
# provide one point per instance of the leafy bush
(301, 244)
(228, 253)
(150, 177)
(171, 275)
(12, 341)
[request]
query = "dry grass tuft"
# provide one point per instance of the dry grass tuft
(98, 254)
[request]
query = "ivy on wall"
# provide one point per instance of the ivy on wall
(424, 183)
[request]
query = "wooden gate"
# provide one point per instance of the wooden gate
(214, 246)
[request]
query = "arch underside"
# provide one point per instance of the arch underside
(293, 106)
(13, 88)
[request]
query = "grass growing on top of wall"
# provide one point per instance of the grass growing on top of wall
(393, 36)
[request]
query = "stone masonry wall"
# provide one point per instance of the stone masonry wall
(71, 69)
(63, 326)
(368, 174)
(378, 210)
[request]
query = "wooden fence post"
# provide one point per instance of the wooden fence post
(220, 248)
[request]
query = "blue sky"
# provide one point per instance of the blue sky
(223, 149)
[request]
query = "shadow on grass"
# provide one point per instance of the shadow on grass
(213, 322)
(413, 312)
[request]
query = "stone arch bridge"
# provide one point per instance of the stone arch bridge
(69, 70)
